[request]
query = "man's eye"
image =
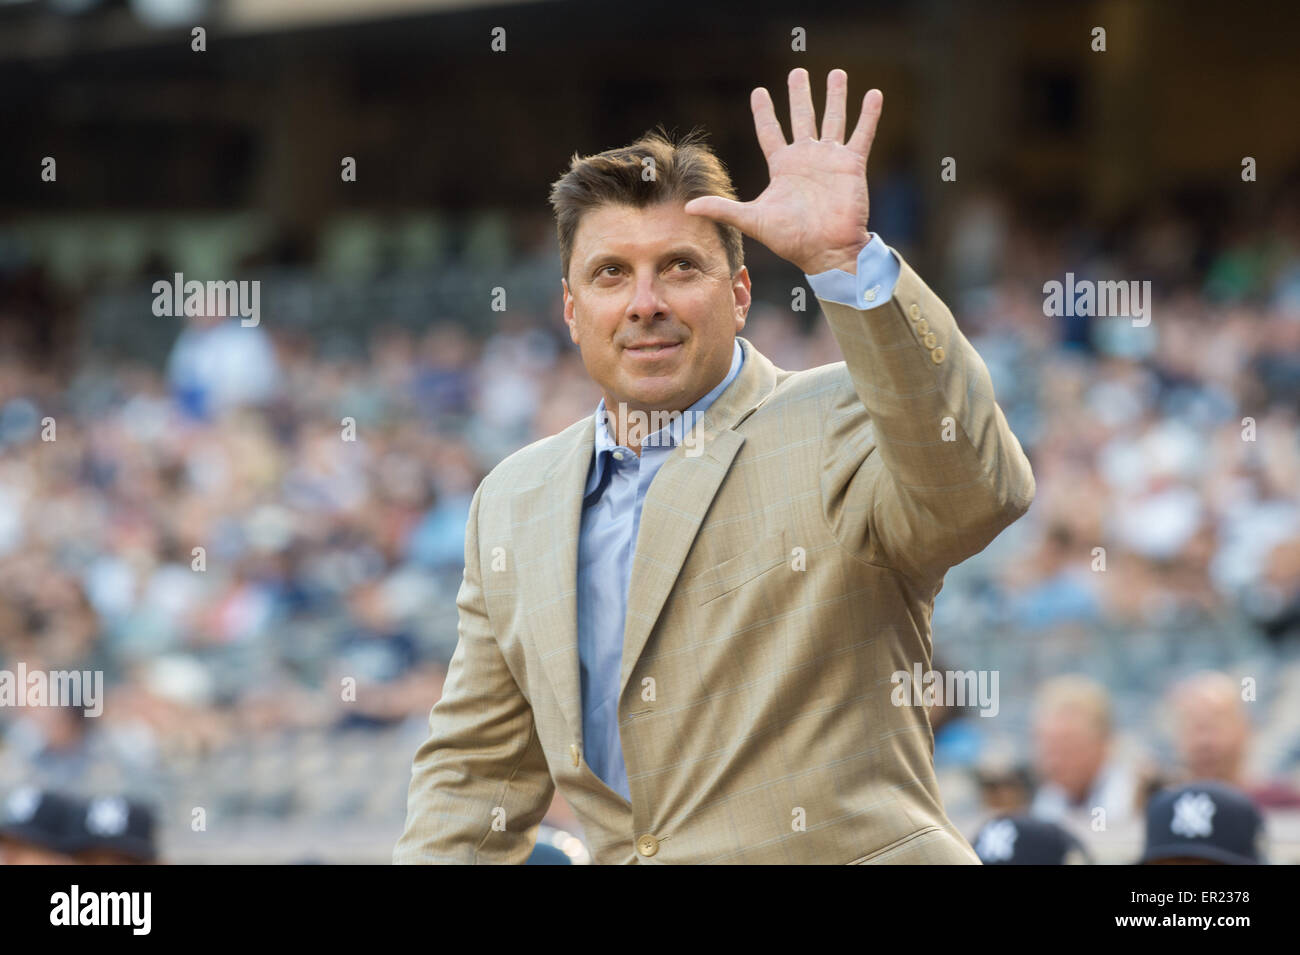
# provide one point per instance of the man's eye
(601, 270)
(687, 261)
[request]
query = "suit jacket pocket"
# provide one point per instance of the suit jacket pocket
(893, 845)
(768, 553)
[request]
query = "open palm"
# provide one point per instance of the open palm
(814, 210)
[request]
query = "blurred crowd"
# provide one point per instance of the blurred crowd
(258, 537)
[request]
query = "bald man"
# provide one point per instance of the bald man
(1212, 736)
(1211, 728)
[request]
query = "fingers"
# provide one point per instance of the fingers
(803, 121)
(803, 118)
(865, 132)
(766, 125)
(837, 88)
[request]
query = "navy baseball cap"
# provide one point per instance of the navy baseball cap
(120, 825)
(1023, 840)
(42, 818)
(1204, 820)
(544, 854)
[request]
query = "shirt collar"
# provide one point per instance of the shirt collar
(670, 435)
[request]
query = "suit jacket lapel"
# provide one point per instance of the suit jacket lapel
(547, 518)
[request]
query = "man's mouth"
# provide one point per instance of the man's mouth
(653, 349)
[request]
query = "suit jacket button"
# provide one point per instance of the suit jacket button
(575, 754)
(647, 845)
(931, 340)
(936, 356)
(922, 327)
(916, 311)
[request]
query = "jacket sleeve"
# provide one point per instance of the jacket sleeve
(479, 783)
(919, 467)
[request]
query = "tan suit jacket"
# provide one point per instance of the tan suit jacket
(780, 578)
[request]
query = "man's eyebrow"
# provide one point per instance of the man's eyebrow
(689, 251)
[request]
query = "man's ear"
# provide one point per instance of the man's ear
(570, 317)
(740, 288)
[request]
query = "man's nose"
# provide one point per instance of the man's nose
(647, 301)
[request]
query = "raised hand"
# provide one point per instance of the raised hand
(814, 211)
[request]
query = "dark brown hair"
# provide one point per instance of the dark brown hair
(683, 170)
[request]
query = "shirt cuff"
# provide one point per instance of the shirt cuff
(873, 285)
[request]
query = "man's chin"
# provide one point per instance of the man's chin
(663, 394)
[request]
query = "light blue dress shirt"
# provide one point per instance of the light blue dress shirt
(617, 482)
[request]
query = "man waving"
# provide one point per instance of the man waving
(690, 627)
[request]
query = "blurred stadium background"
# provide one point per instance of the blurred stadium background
(328, 559)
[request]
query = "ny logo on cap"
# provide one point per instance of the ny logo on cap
(107, 816)
(1192, 815)
(997, 841)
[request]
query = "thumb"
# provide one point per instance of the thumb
(727, 211)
